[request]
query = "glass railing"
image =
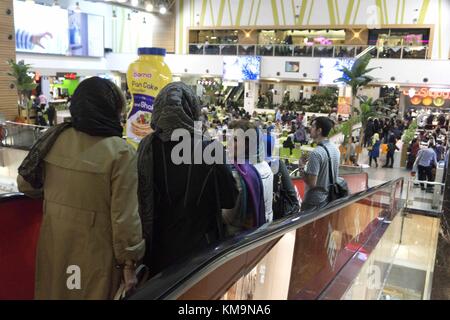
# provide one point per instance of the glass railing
(299, 257)
(19, 135)
(322, 51)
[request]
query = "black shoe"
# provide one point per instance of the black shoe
(384, 166)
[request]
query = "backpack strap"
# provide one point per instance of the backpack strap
(330, 171)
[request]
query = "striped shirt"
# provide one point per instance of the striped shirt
(24, 40)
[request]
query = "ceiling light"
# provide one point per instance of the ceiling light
(56, 5)
(121, 1)
(114, 15)
(29, 1)
(149, 7)
(129, 16)
(134, 3)
(144, 22)
(163, 10)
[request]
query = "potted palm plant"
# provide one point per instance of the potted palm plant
(357, 77)
(24, 84)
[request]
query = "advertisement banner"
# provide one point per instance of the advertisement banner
(344, 105)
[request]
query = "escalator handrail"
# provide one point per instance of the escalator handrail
(12, 196)
(177, 279)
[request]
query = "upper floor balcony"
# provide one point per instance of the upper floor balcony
(322, 51)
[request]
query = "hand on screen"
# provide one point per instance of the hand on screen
(36, 39)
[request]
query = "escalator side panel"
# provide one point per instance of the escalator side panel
(215, 284)
(20, 221)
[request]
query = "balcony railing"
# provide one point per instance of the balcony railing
(322, 51)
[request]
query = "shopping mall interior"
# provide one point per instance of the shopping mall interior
(379, 70)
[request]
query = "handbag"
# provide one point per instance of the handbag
(282, 204)
(339, 188)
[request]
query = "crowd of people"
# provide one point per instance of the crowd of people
(120, 207)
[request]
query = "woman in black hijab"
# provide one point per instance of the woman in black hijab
(180, 204)
(87, 175)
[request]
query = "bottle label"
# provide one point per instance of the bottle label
(138, 124)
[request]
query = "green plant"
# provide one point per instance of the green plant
(23, 82)
(356, 77)
(408, 134)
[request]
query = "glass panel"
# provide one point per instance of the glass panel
(320, 260)
(323, 51)
(195, 49)
(344, 52)
(284, 50)
(246, 50)
(265, 50)
(229, 50)
(303, 51)
(212, 49)
(414, 52)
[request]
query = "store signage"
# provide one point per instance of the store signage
(344, 105)
(69, 76)
(427, 92)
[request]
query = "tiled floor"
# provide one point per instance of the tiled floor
(418, 199)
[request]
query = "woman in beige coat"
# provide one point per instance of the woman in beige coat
(91, 234)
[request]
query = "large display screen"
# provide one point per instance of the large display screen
(331, 69)
(241, 68)
(85, 35)
(41, 29)
(51, 30)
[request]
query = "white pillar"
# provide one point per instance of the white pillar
(250, 96)
(278, 94)
(307, 92)
(294, 93)
(45, 86)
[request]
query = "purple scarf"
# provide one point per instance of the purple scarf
(254, 186)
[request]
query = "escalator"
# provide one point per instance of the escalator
(233, 94)
(320, 254)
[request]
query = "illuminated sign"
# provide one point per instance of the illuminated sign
(427, 92)
(69, 76)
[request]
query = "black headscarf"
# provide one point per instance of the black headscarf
(175, 107)
(94, 108)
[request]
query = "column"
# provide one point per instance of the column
(278, 94)
(294, 92)
(8, 92)
(250, 96)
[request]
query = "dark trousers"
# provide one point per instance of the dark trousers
(425, 174)
(370, 161)
(389, 158)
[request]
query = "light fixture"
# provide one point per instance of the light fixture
(149, 6)
(77, 8)
(162, 10)
(56, 4)
(114, 15)
(144, 22)
(129, 17)
(122, 1)
(134, 3)
(29, 1)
